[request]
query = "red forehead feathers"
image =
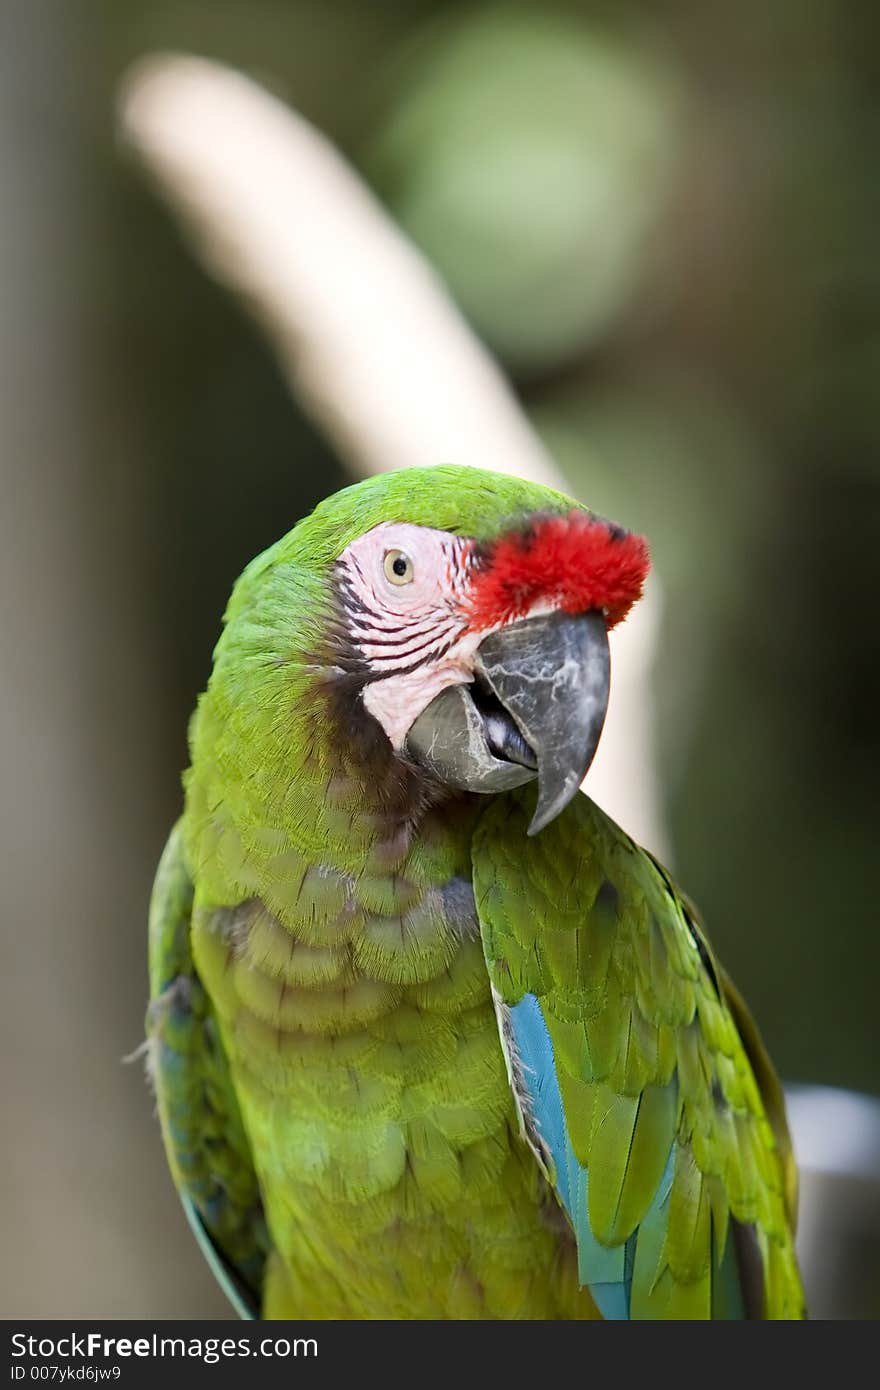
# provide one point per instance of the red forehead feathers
(575, 562)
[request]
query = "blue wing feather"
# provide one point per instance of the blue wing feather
(606, 1270)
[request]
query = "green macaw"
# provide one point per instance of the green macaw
(431, 1037)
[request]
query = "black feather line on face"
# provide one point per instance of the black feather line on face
(342, 674)
(348, 654)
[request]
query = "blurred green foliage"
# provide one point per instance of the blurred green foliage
(527, 151)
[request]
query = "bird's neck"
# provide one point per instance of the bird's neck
(281, 807)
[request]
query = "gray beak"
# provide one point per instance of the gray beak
(536, 709)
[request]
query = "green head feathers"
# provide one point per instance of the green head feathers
(463, 501)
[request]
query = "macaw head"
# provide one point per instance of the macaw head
(471, 619)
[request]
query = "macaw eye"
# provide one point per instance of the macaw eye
(398, 567)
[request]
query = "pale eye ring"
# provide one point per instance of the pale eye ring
(398, 567)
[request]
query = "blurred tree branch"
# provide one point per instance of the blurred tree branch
(371, 344)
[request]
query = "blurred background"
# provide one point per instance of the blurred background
(660, 217)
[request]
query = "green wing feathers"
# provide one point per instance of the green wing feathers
(205, 1142)
(669, 1100)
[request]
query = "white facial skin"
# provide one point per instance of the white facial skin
(416, 627)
